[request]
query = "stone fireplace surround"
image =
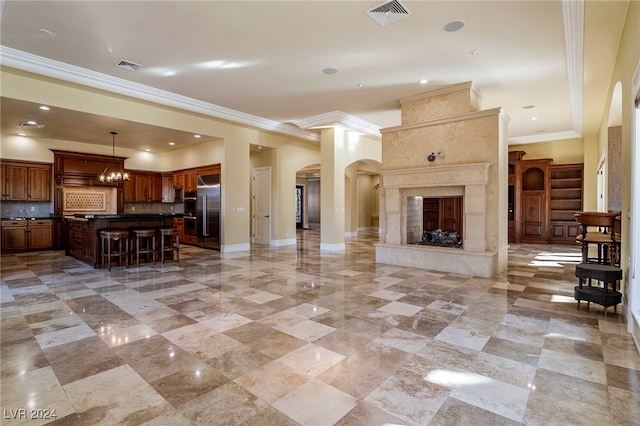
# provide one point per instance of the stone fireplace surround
(466, 180)
(472, 164)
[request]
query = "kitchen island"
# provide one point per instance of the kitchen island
(83, 231)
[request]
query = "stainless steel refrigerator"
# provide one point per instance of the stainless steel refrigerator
(208, 211)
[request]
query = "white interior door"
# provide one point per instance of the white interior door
(262, 205)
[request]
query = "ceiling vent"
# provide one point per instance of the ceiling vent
(388, 13)
(128, 65)
(31, 125)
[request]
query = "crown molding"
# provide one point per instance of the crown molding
(338, 117)
(50, 68)
(547, 137)
(573, 16)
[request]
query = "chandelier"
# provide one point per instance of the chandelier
(112, 173)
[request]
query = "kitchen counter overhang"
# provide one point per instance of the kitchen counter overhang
(83, 231)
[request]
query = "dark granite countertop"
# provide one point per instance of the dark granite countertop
(125, 216)
(30, 217)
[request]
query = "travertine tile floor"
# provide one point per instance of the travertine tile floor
(286, 336)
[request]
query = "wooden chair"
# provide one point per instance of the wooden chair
(604, 236)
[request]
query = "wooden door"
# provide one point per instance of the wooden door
(262, 205)
(533, 208)
(452, 214)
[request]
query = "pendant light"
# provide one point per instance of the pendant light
(112, 173)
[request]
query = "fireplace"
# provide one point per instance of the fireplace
(468, 169)
(434, 221)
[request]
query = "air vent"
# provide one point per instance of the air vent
(31, 125)
(128, 65)
(389, 12)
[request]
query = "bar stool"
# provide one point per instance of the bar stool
(605, 237)
(121, 249)
(143, 242)
(169, 241)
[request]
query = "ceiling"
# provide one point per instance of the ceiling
(298, 62)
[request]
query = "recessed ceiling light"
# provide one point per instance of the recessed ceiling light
(44, 108)
(534, 118)
(423, 81)
(172, 143)
(359, 86)
(44, 32)
(473, 52)
(22, 134)
(329, 71)
(454, 26)
(196, 136)
(148, 150)
(528, 106)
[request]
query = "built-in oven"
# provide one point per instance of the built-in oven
(190, 204)
(190, 225)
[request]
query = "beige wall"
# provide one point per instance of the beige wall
(627, 62)
(566, 151)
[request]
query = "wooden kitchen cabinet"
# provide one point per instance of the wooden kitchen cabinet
(143, 188)
(24, 235)
(148, 188)
(178, 180)
(191, 181)
(168, 191)
(81, 240)
(22, 181)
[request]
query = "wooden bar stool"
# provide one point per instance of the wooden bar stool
(169, 242)
(143, 243)
(121, 250)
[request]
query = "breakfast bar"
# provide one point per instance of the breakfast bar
(83, 231)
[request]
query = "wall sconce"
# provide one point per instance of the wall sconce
(434, 155)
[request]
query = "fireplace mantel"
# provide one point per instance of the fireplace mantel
(452, 175)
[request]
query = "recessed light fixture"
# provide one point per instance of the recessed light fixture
(423, 81)
(172, 143)
(148, 150)
(44, 108)
(473, 52)
(528, 107)
(329, 71)
(197, 136)
(22, 134)
(454, 26)
(44, 32)
(534, 118)
(359, 86)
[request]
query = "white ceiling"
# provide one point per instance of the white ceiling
(263, 61)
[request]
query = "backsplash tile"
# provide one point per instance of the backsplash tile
(23, 209)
